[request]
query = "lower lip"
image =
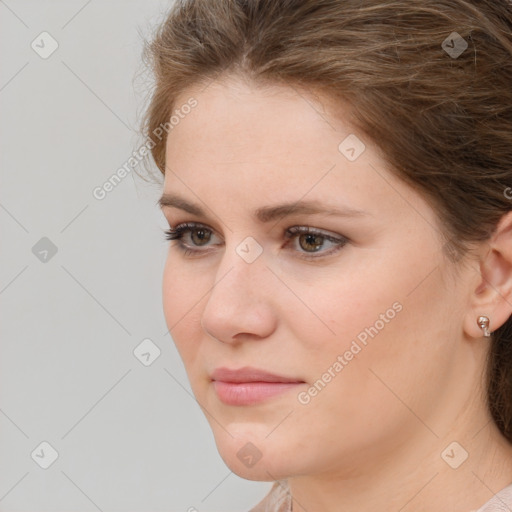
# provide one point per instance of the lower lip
(248, 393)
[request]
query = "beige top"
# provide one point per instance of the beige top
(279, 500)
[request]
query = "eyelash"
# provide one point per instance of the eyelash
(180, 230)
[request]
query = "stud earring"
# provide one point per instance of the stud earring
(483, 322)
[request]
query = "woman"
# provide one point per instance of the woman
(338, 185)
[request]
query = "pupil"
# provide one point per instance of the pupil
(312, 240)
(201, 235)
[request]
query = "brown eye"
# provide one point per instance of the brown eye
(200, 236)
(311, 242)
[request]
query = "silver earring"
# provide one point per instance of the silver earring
(483, 322)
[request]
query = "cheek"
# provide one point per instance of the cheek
(375, 319)
(343, 308)
(181, 305)
(382, 358)
(405, 351)
(183, 286)
(171, 291)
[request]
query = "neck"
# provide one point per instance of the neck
(422, 474)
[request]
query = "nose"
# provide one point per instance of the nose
(238, 307)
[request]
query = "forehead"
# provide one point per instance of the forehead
(275, 143)
(237, 117)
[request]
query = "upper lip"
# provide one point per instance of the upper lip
(248, 374)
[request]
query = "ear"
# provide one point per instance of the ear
(492, 296)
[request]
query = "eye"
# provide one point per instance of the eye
(311, 241)
(190, 235)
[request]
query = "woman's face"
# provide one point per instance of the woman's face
(362, 312)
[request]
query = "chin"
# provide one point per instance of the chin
(251, 456)
(266, 469)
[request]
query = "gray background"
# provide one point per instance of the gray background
(129, 437)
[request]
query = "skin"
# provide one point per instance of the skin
(372, 438)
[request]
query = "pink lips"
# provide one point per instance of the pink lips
(248, 385)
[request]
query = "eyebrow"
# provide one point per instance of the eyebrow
(267, 213)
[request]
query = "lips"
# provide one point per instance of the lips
(249, 374)
(249, 386)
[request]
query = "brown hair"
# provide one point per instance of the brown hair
(440, 112)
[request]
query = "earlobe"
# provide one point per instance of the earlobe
(492, 298)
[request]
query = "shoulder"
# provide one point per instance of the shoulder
(500, 502)
(277, 500)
